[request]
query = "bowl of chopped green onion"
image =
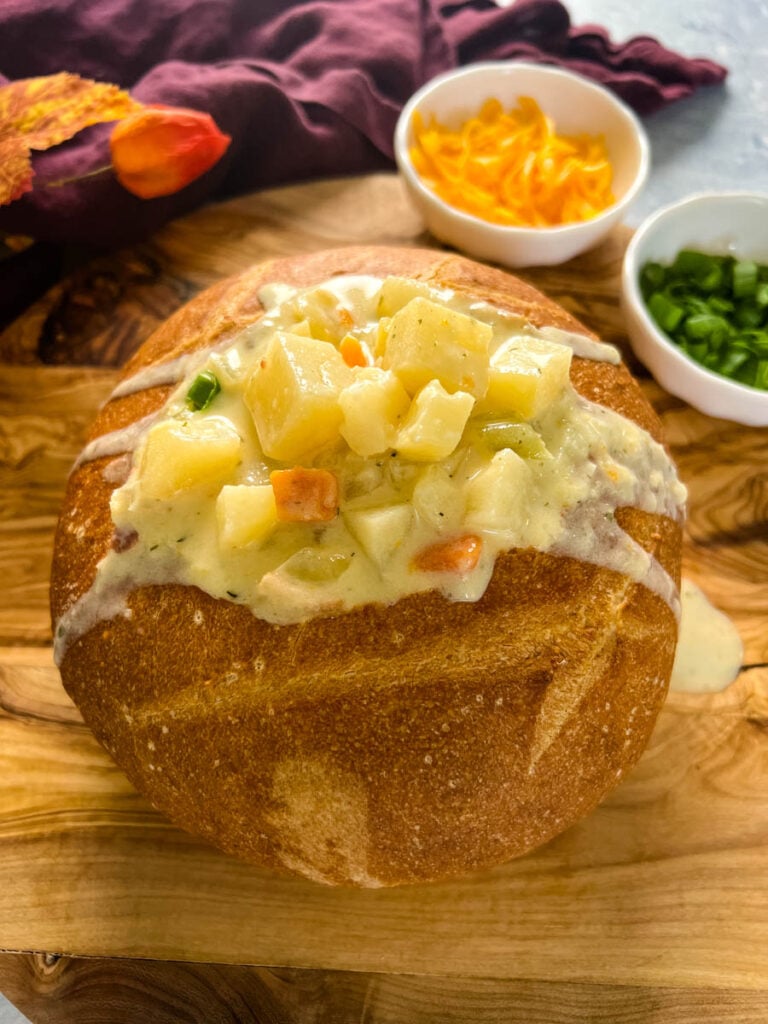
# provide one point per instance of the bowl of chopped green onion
(695, 300)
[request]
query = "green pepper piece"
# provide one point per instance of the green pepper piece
(520, 437)
(317, 566)
(203, 390)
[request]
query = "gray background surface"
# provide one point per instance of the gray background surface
(717, 139)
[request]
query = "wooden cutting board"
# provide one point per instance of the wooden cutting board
(665, 885)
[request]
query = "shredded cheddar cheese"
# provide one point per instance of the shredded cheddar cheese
(512, 168)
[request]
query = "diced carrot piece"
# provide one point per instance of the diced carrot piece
(305, 495)
(461, 555)
(352, 351)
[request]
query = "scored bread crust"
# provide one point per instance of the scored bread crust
(387, 744)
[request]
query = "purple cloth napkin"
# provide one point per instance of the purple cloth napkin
(306, 88)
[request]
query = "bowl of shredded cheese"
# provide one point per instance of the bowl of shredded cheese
(519, 163)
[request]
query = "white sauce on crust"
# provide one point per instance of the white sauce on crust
(156, 375)
(116, 442)
(437, 474)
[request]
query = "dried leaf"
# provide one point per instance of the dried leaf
(15, 168)
(50, 110)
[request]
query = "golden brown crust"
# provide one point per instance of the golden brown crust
(387, 745)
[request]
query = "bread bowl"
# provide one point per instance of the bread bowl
(408, 720)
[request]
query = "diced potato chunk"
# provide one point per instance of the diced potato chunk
(372, 407)
(327, 318)
(316, 566)
(438, 500)
(497, 495)
(245, 514)
(302, 328)
(426, 341)
(380, 531)
(293, 396)
(397, 292)
(434, 423)
(379, 337)
(201, 453)
(290, 594)
(527, 375)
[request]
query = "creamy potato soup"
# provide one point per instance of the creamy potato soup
(368, 439)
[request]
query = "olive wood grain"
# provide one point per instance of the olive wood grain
(662, 890)
(53, 990)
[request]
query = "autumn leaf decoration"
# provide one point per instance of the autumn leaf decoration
(155, 150)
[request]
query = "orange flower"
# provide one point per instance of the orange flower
(158, 150)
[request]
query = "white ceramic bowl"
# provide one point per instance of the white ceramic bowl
(721, 223)
(576, 105)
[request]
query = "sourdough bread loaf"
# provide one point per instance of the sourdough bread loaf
(384, 743)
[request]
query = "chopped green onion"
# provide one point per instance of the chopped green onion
(720, 305)
(757, 341)
(692, 304)
(706, 271)
(744, 278)
(652, 277)
(747, 372)
(716, 309)
(704, 325)
(748, 314)
(666, 314)
(204, 389)
(732, 360)
(696, 350)
(689, 263)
